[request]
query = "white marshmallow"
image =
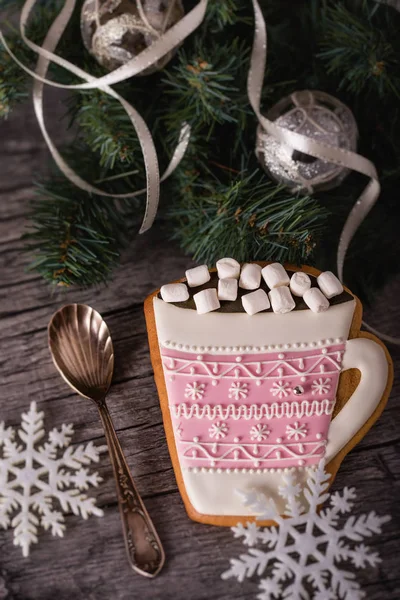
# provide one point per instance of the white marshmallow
(206, 301)
(329, 284)
(174, 292)
(299, 283)
(197, 276)
(275, 275)
(227, 289)
(228, 268)
(250, 276)
(255, 302)
(281, 300)
(315, 300)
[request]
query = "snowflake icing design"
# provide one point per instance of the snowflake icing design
(238, 390)
(194, 391)
(259, 432)
(320, 386)
(29, 490)
(218, 430)
(296, 431)
(323, 539)
(280, 389)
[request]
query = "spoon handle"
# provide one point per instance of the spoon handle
(145, 552)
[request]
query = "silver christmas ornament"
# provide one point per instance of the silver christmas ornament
(115, 31)
(316, 115)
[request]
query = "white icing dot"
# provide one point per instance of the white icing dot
(303, 379)
(194, 348)
(303, 345)
(229, 348)
(256, 463)
(187, 347)
(172, 377)
(324, 351)
(196, 439)
(301, 462)
(281, 355)
(204, 469)
(180, 346)
(214, 382)
(286, 470)
(213, 463)
(236, 348)
(211, 470)
(318, 436)
(339, 340)
(251, 470)
(242, 349)
(191, 370)
(279, 470)
(228, 470)
(208, 348)
(263, 348)
(272, 470)
(279, 346)
(279, 440)
(200, 357)
(201, 348)
(249, 348)
(258, 382)
(236, 470)
(236, 440)
(219, 470)
(259, 471)
(173, 344)
(296, 345)
(257, 348)
(287, 346)
(244, 470)
(312, 344)
(222, 348)
(238, 359)
(329, 341)
(320, 342)
(195, 470)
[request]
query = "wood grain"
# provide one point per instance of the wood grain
(89, 563)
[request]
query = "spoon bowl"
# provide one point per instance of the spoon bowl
(82, 350)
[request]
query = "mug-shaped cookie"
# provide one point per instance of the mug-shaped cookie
(246, 397)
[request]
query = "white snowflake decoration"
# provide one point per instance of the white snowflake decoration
(32, 477)
(194, 391)
(304, 553)
(238, 390)
(218, 430)
(320, 386)
(259, 432)
(280, 389)
(296, 431)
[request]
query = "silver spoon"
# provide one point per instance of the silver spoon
(82, 351)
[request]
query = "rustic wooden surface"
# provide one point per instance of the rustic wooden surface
(89, 563)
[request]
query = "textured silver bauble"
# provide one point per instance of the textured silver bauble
(117, 33)
(316, 115)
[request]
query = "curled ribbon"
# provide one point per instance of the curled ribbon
(300, 142)
(165, 43)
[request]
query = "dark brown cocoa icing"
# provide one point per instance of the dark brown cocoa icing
(235, 306)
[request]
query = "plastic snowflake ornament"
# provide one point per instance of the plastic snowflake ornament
(304, 552)
(320, 386)
(32, 477)
(280, 389)
(194, 391)
(218, 430)
(238, 391)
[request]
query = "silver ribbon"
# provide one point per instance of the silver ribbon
(169, 40)
(300, 142)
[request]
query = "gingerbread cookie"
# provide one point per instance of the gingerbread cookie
(255, 370)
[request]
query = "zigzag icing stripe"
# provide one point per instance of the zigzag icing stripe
(264, 411)
(234, 449)
(236, 369)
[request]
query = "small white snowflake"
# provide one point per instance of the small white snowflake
(259, 432)
(194, 391)
(238, 390)
(280, 389)
(32, 477)
(320, 386)
(218, 430)
(323, 540)
(296, 431)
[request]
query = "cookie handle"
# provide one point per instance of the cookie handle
(369, 357)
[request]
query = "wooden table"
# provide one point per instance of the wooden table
(89, 563)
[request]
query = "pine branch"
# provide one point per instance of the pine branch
(363, 53)
(223, 13)
(249, 218)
